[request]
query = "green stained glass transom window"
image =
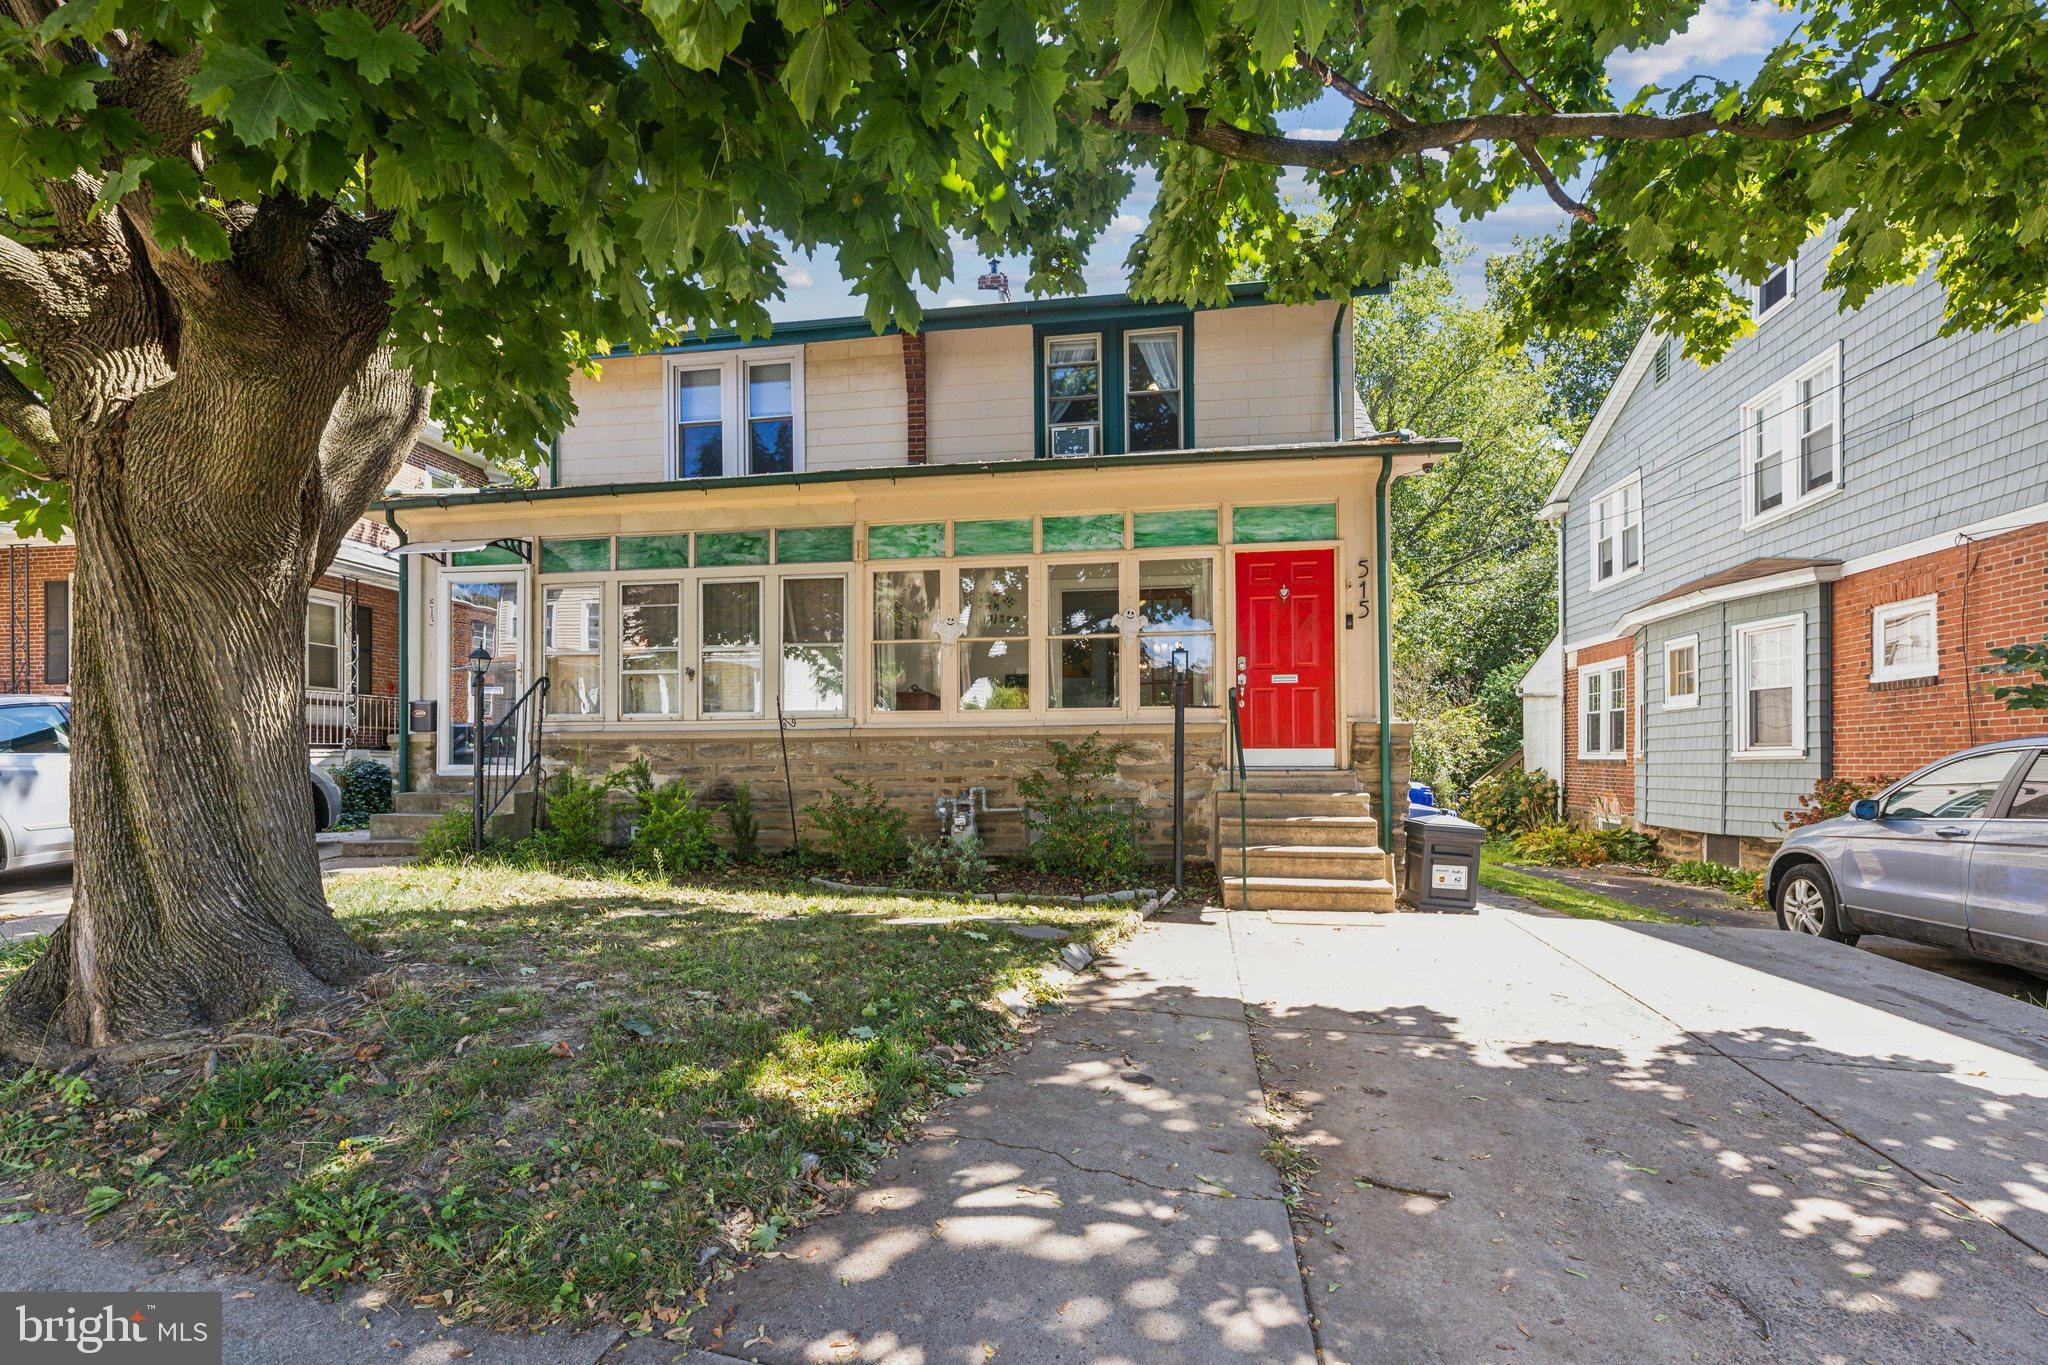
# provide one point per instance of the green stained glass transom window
(589, 555)
(1295, 521)
(907, 540)
(723, 549)
(1150, 530)
(992, 537)
(486, 557)
(654, 552)
(1097, 531)
(814, 545)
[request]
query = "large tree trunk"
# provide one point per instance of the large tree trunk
(217, 453)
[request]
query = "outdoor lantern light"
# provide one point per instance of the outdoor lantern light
(479, 661)
(1180, 661)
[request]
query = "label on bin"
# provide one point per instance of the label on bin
(1447, 877)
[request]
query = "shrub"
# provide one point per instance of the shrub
(1562, 845)
(862, 832)
(449, 838)
(1450, 743)
(944, 864)
(1082, 831)
(1629, 846)
(1511, 801)
(1695, 872)
(579, 817)
(672, 833)
(365, 791)
(740, 823)
(1832, 796)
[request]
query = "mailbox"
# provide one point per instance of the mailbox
(419, 717)
(1442, 872)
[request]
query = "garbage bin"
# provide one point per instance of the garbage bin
(1442, 873)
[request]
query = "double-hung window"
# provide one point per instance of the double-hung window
(572, 645)
(1792, 440)
(651, 649)
(1073, 395)
(1603, 710)
(1086, 644)
(1152, 390)
(1176, 610)
(1618, 531)
(995, 644)
(1681, 672)
(1770, 688)
(1903, 640)
(1772, 292)
(906, 646)
(323, 644)
(729, 623)
(814, 646)
(739, 413)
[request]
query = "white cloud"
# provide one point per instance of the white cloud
(796, 277)
(1721, 32)
(1317, 134)
(1127, 223)
(958, 302)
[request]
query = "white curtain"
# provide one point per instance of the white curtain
(1155, 364)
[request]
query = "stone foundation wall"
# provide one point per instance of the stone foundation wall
(911, 767)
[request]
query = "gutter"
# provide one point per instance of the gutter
(1382, 604)
(404, 655)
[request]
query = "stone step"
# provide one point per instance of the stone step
(1356, 895)
(402, 824)
(374, 847)
(413, 803)
(1258, 803)
(1323, 830)
(1299, 780)
(1344, 861)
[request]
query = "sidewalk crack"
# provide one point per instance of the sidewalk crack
(1218, 1192)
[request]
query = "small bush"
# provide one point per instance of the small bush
(1629, 846)
(365, 791)
(1082, 831)
(1561, 845)
(942, 864)
(1832, 796)
(863, 834)
(1695, 872)
(1511, 801)
(740, 823)
(672, 834)
(578, 816)
(449, 839)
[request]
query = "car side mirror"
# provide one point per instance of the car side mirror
(1865, 809)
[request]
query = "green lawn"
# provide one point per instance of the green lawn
(1575, 901)
(565, 1100)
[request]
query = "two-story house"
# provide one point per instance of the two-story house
(351, 642)
(1791, 564)
(917, 557)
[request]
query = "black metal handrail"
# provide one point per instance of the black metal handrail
(503, 753)
(1239, 775)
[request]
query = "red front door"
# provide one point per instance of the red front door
(1287, 655)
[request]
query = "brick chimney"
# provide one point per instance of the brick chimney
(913, 397)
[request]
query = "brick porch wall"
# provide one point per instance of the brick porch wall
(1596, 787)
(1990, 592)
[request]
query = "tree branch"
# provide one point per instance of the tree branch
(26, 288)
(25, 416)
(366, 440)
(1528, 86)
(1364, 99)
(1527, 147)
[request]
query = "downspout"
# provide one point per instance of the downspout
(404, 655)
(1383, 609)
(1562, 765)
(555, 463)
(1337, 376)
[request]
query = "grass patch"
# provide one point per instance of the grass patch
(569, 1099)
(1575, 901)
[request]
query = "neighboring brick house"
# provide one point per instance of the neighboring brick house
(351, 619)
(1796, 560)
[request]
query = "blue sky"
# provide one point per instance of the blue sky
(1727, 39)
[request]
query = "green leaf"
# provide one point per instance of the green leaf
(256, 97)
(822, 71)
(121, 182)
(377, 52)
(198, 232)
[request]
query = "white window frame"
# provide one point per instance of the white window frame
(1682, 701)
(1738, 675)
(1624, 495)
(1780, 403)
(1890, 614)
(321, 597)
(1101, 392)
(1180, 363)
(1613, 674)
(1756, 291)
(732, 367)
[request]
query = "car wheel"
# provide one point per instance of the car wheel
(1806, 905)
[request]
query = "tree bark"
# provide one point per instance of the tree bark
(218, 436)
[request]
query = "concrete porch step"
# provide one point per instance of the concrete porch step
(361, 845)
(428, 801)
(1343, 861)
(403, 824)
(1350, 831)
(1358, 895)
(1319, 780)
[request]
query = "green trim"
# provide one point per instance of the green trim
(1155, 530)
(404, 657)
(1383, 611)
(1094, 531)
(555, 461)
(584, 554)
(489, 557)
(907, 540)
(814, 545)
(1288, 521)
(728, 549)
(753, 483)
(1006, 537)
(654, 552)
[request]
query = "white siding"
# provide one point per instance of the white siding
(619, 434)
(979, 384)
(854, 403)
(1262, 374)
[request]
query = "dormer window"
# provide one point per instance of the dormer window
(1773, 291)
(1152, 396)
(1073, 395)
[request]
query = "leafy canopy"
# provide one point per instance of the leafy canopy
(548, 179)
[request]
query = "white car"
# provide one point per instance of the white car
(35, 783)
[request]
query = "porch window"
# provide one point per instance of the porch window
(572, 642)
(1603, 710)
(1903, 640)
(700, 424)
(1176, 607)
(729, 615)
(1086, 652)
(1618, 531)
(771, 419)
(323, 644)
(1073, 395)
(906, 615)
(1770, 694)
(1682, 672)
(995, 649)
(814, 646)
(650, 649)
(1152, 391)
(1792, 441)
